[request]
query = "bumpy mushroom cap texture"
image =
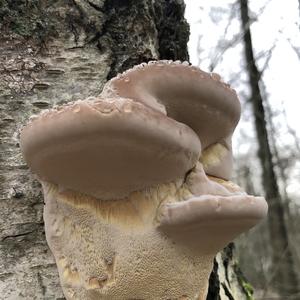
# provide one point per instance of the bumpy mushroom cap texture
(136, 184)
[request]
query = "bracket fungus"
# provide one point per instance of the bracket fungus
(136, 184)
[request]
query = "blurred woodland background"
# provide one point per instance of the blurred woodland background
(255, 46)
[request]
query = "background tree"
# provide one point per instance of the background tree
(53, 52)
(284, 275)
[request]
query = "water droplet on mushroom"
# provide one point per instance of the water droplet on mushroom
(33, 117)
(164, 61)
(119, 76)
(215, 76)
(77, 109)
(194, 69)
(91, 98)
(127, 108)
(44, 112)
(106, 110)
(126, 79)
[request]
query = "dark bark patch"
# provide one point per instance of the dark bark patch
(227, 292)
(227, 258)
(173, 30)
(127, 33)
(26, 18)
(214, 284)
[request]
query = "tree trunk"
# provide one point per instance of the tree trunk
(53, 52)
(283, 277)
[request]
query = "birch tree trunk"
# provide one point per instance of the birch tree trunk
(53, 52)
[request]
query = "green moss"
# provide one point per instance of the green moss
(248, 289)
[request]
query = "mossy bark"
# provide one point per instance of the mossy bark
(53, 52)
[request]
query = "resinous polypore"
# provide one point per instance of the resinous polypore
(136, 184)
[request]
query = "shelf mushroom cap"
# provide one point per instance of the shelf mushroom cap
(214, 214)
(210, 222)
(188, 95)
(108, 148)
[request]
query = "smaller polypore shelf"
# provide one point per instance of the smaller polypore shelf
(148, 162)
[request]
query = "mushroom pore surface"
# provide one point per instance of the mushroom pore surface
(158, 243)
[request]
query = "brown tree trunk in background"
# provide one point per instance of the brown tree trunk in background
(284, 277)
(53, 52)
